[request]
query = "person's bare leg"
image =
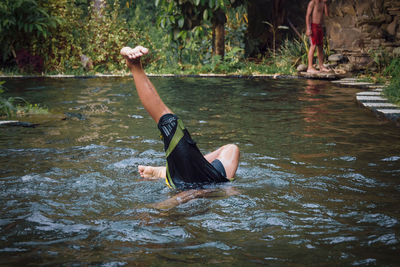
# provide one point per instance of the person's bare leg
(321, 58)
(310, 68)
(145, 89)
(227, 154)
(229, 157)
(188, 195)
(151, 172)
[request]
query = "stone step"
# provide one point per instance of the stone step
(363, 98)
(358, 83)
(376, 86)
(382, 105)
(391, 114)
(390, 111)
(369, 93)
(374, 100)
(355, 82)
(346, 80)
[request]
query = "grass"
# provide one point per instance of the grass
(11, 107)
(392, 92)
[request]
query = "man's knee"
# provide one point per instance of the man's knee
(231, 148)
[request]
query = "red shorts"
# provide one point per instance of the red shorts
(317, 34)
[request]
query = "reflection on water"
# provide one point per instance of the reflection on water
(318, 177)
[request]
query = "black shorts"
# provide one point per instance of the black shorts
(186, 166)
(217, 164)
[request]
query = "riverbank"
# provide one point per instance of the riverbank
(156, 75)
(373, 99)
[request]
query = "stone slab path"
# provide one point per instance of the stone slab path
(373, 100)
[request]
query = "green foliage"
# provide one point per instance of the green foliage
(8, 105)
(13, 106)
(67, 34)
(393, 69)
(189, 24)
(381, 58)
(94, 39)
(186, 15)
(292, 52)
(20, 21)
(393, 90)
(105, 36)
(80, 33)
(31, 109)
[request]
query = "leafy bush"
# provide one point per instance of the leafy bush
(393, 90)
(20, 22)
(60, 33)
(97, 37)
(292, 52)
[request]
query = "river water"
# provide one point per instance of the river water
(318, 181)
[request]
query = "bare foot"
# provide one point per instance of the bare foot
(134, 53)
(323, 69)
(312, 70)
(151, 172)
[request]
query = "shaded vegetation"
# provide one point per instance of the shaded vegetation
(72, 37)
(17, 106)
(393, 90)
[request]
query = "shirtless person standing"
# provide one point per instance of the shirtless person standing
(186, 167)
(314, 18)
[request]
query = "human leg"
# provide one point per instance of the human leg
(191, 194)
(147, 93)
(229, 157)
(310, 68)
(321, 58)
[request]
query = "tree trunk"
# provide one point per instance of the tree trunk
(219, 33)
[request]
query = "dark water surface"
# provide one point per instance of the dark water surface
(319, 177)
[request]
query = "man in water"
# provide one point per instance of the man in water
(186, 167)
(314, 18)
